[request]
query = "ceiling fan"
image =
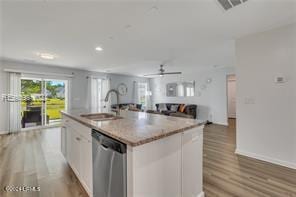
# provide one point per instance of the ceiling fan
(162, 72)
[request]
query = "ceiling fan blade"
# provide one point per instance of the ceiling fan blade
(172, 73)
(152, 74)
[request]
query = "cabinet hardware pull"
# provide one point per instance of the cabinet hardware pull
(78, 139)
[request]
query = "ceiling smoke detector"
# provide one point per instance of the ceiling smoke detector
(228, 4)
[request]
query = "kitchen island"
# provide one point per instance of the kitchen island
(163, 153)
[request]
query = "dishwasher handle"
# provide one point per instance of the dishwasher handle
(109, 143)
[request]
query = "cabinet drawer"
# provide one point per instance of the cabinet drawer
(84, 131)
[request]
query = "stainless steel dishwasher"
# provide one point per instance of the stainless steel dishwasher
(109, 166)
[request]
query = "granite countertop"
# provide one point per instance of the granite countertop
(136, 128)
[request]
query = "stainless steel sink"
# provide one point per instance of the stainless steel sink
(100, 116)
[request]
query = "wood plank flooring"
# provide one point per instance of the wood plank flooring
(226, 174)
(33, 158)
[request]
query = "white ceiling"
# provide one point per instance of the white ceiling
(136, 35)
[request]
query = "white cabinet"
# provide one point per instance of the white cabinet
(75, 151)
(64, 141)
(86, 161)
(76, 146)
(171, 166)
(154, 169)
(68, 144)
(192, 143)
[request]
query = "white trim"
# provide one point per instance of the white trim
(221, 123)
(37, 73)
(201, 194)
(265, 158)
(3, 132)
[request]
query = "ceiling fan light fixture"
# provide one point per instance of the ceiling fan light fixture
(162, 72)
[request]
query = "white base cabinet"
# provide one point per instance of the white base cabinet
(76, 145)
(168, 167)
(171, 166)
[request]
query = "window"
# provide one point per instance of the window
(142, 91)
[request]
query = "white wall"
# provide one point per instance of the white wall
(78, 84)
(116, 79)
(266, 111)
(212, 103)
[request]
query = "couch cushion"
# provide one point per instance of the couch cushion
(174, 108)
(182, 115)
(162, 107)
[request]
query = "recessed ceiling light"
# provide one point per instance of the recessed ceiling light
(99, 49)
(154, 8)
(46, 56)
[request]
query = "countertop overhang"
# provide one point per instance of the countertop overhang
(136, 128)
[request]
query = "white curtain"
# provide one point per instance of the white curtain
(95, 93)
(106, 106)
(15, 104)
(89, 94)
(135, 92)
(148, 95)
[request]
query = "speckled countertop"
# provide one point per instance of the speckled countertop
(136, 128)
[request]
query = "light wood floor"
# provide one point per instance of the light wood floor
(33, 158)
(226, 174)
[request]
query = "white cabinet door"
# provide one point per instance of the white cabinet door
(64, 141)
(192, 142)
(86, 162)
(69, 145)
(75, 152)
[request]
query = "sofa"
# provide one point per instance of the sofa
(128, 106)
(174, 109)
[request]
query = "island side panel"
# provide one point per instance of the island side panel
(192, 162)
(154, 169)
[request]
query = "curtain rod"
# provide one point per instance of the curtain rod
(38, 73)
(97, 77)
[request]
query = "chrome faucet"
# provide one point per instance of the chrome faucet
(117, 96)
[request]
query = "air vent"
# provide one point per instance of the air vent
(227, 4)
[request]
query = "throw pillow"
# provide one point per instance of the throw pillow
(174, 108)
(162, 107)
(125, 107)
(132, 107)
(182, 109)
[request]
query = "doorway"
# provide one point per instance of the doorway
(43, 99)
(231, 96)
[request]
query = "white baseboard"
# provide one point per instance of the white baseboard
(201, 194)
(267, 159)
(221, 123)
(3, 132)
